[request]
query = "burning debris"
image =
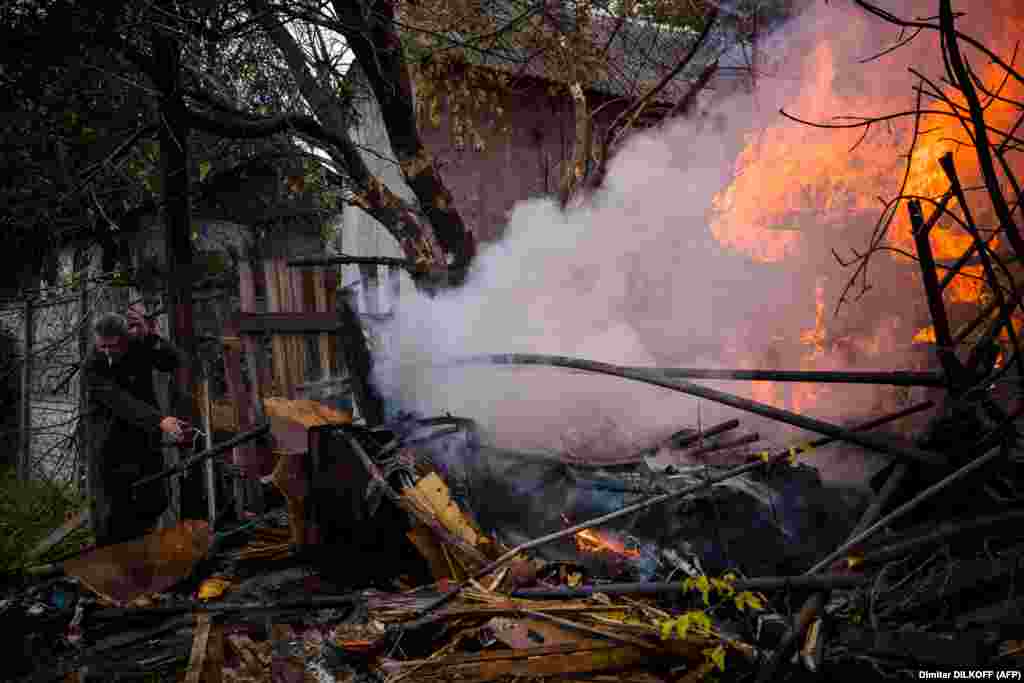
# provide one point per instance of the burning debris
(422, 551)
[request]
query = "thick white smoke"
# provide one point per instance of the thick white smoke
(635, 277)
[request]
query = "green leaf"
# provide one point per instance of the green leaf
(87, 136)
(204, 169)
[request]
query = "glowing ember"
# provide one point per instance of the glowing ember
(593, 541)
(925, 335)
(590, 541)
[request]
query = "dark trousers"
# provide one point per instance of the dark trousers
(134, 511)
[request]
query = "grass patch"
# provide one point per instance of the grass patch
(31, 510)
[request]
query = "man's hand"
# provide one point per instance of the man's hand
(174, 427)
(138, 324)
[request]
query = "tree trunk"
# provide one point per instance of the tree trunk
(174, 133)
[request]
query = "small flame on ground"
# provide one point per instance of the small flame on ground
(593, 541)
(926, 335)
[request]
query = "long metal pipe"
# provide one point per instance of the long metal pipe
(904, 453)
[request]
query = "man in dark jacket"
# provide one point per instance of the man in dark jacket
(126, 424)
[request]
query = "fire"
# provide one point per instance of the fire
(925, 335)
(591, 541)
(798, 191)
(794, 184)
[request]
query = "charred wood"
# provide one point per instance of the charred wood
(764, 584)
(991, 444)
(899, 379)
(945, 532)
(628, 510)
(943, 336)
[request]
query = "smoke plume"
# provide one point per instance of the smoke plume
(635, 276)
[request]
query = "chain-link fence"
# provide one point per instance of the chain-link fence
(50, 330)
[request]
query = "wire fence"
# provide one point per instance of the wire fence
(51, 326)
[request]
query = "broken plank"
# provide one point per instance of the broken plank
(197, 659)
(539, 661)
(213, 668)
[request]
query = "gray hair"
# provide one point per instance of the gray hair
(111, 325)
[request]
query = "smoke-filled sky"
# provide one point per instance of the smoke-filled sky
(635, 276)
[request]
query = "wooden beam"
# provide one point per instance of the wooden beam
(198, 657)
(287, 323)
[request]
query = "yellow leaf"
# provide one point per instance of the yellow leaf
(764, 455)
(204, 169)
(717, 656)
(854, 561)
(748, 599)
(666, 629)
(700, 621)
(683, 624)
(704, 586)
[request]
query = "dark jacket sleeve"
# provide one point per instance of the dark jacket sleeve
(104, 391)
(161, 353)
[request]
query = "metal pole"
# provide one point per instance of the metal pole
(25, 414)
(870, 441)
(897, 378)
(208, 466)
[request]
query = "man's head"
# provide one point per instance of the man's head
(111, 331)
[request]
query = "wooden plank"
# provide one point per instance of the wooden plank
(213, 669)
(320, 306)
(539, 661)
(287, 323)
(277, 343)
(248, 493)
(298, 305)
(197, 659)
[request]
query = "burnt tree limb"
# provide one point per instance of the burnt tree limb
(940, 321)
(359, 363)
(993, 450)
(962, 77)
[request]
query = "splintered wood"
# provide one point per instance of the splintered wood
(432, 498)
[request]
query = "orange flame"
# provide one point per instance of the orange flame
(798, 191)
(591, 541)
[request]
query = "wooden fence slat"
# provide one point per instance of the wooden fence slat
(276, 341)
(320, 306)
(298, 305)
